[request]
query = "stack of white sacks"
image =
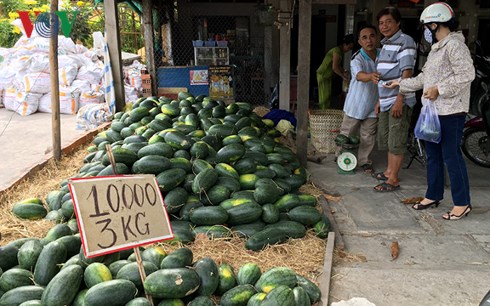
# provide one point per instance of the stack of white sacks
(133, 81)
(25, 85)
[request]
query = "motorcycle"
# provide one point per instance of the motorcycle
(482, 76)
(486, 300)
(476, 144)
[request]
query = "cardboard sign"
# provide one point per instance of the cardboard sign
(119, 212)
(220, 82)
(198, 77)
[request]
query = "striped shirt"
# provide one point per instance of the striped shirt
(397, 55)
(362, 96)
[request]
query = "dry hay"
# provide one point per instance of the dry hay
(305, 256)
(343, 257)
(37, 185)
(311, 188)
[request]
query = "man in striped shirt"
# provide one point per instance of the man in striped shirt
(396, 60)
(359, 116)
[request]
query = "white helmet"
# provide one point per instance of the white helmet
(437, 12)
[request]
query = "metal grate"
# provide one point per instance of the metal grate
(186, 27)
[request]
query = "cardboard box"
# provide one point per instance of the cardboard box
(146, 92)
(170, 92)
(146, 81)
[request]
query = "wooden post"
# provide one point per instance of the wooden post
(327, 211)
(285, 59)
(141, 268)
(114, 43)
(149, 43)
(327, 269)
(304, 34)
(55, 90)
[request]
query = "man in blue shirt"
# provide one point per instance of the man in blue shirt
(359, 115)
(396, 60)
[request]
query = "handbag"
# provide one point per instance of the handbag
(428, 126)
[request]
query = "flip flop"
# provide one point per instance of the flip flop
(368, 169)
(380, 176)
(386, 187)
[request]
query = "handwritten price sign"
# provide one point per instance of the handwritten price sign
(119, 212)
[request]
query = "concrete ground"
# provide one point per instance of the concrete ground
(26, 142)
(440, 262)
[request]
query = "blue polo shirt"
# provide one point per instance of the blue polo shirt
(397, 55)
(362, 96)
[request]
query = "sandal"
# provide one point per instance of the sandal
(380, 176)
(453, 217)
(386, 187)
(367, 168)
(420, 206)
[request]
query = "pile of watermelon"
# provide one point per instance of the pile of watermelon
(172, 279)
(221, 171)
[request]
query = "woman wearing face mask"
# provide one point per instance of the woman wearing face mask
(446, 80)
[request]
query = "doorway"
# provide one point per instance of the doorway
(323, 37)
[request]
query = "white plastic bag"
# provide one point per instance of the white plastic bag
(90, 97)
(428, 127)
(92, 115)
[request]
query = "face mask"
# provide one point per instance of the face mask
(430, 35)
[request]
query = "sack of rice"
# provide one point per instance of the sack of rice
(25, 103)
(38, 82)
(67, 74)
(69, 101)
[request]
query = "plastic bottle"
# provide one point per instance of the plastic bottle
(345, 85)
